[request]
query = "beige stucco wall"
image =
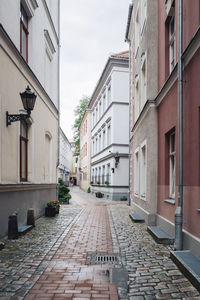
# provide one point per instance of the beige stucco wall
(14, 78)
(85, 161)
(146, 131)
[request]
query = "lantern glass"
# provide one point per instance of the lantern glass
(28, 99)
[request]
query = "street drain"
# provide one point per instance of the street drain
(103, 258)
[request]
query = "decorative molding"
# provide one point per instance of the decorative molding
(49, 41)
(29, 6)
(50, 20)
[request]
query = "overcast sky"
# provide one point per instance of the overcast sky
(91, 30)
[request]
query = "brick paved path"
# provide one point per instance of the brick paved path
(49, 262)
(67, 276)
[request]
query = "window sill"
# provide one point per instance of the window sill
(170, 201)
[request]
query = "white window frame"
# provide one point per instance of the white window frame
(137, 31)
(143, 170)
(172, 166)
(172, 45)
(108, 134)
(137, 172)
(143, 76)
(137, 101)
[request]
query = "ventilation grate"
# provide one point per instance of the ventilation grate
(103, 258)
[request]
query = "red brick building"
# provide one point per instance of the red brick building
(167, 109)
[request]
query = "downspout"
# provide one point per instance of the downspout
(178, 245)
(58, 83)
(129, 135)
(129, 148)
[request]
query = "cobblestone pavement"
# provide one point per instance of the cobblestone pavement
(49, 262)
(152, 274)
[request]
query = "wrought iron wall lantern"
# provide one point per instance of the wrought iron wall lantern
(117, 158)
(28, 99)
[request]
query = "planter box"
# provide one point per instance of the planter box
(50, 212)
(99, 195)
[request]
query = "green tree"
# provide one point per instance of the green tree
(79, 112)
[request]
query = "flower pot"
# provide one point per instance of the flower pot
(50, 211)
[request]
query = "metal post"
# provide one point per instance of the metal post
(179, 210)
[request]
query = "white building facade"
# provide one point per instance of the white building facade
(85, 143)
(29, 56)
(109, 106)
(65, 162)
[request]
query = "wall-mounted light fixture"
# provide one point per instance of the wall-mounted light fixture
(113, 170)
(28, 99)
(117, 158)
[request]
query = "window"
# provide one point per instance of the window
(143, 81)
(143, 171)
(143, 13)
(104, 102)
(96, 145)
(137, 32)
(100, 112)
(172, 164)
(100, 142)
(96, 114)
(136, 172)
(103, 174)
(93, 118)
(109, 95)
(108, 173)
(137, 104)
(108, 135)
(171, 44)
(104, 139)
(99, 178)
(24, 33)
(93, 149)
(23, 151)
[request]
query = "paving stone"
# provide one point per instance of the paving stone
(51, 257)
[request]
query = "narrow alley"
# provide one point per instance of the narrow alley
(56, 259)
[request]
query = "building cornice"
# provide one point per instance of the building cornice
(111, 63)
(187, 56)
(112, 145)
(147, 106)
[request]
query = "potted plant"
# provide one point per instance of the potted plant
(91, 182)
(57, 206)
(50, 209)
(63, 192)
(98, 182)
(99, 195)
(106, 183)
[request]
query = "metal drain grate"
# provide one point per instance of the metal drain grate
(103, 258)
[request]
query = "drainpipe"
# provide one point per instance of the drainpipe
(178, 245)
(58, 158)
(129, 145)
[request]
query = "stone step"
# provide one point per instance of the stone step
(24, 229)
(189, 265)
(160, 236)
(136, 218)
